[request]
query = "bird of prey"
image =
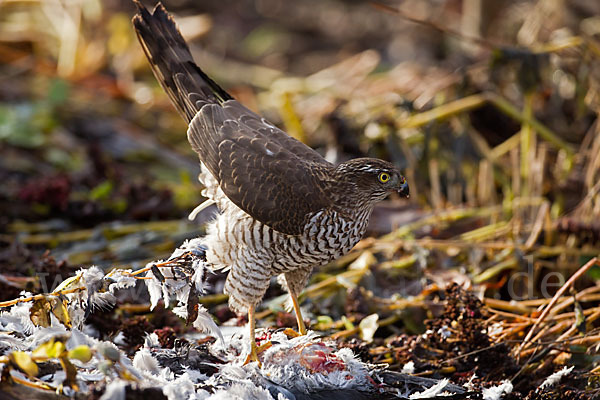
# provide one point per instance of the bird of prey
(283, 209)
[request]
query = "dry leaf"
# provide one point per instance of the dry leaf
(60, 311)
(39, 313)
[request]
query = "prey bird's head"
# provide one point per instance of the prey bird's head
(373, 179)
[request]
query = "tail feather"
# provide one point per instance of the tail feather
(172, 63)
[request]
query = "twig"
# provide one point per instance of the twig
(558, 294)
(538, 225)
(165, 264)
(443, 111)
(40, 296)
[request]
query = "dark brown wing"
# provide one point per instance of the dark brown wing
(268, 174)
(260, 168)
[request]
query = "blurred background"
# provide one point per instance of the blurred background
(490, 107)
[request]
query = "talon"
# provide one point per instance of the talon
(253, 356)
(263, 347)
(290, 333)
(255, 351)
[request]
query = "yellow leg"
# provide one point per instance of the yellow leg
(301, 326)
(253, 356)
(254, 349)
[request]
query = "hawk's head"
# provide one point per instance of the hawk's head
(374, 179)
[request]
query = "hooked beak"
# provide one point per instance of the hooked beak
(403, 188)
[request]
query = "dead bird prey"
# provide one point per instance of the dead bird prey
(283, 208)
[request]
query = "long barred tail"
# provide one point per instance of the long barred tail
(169, 55)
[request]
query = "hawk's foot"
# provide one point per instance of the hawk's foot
(290, 333)
(255, 351)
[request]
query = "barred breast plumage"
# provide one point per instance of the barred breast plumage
(283, 208)
(254, 252)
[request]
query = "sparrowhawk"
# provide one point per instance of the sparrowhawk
(283, 209)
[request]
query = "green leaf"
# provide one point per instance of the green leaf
(56, 350)
(82, 353)
(58, 92)
(17, 126)
(324, 319)
(50, 349)
(42, 349)
(348, 325)
(24, 362)
(594, 272)
(102, 191)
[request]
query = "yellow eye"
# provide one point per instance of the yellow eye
(384, 177)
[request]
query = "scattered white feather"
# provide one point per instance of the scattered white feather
(79, 338)
(165, 294)
(145, 361)
(180, 388)
(11, 343)
(119, 340)
(166, 375)
(181, 291)
(180, 311)
(196, 245)
(196, 376)
(92, 376)
(55, 379)
(199, 208)
(102, 300)
(154, 288)
(303, 364)
(43, 335)
(151, 340)
(115, 390)
(92, 278)
(17, 319)
(77, 315)
(234, 372)
(121, 279)
(555, 377)
(242, 391)
(434, 391)
(368, 326)
(408, 368)
(91, 331)
(496, 392)
(444, 332)
(198, 276)
(205, 323)
(495, 329)
(469, 385)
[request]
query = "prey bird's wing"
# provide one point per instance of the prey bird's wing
(271, 176)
